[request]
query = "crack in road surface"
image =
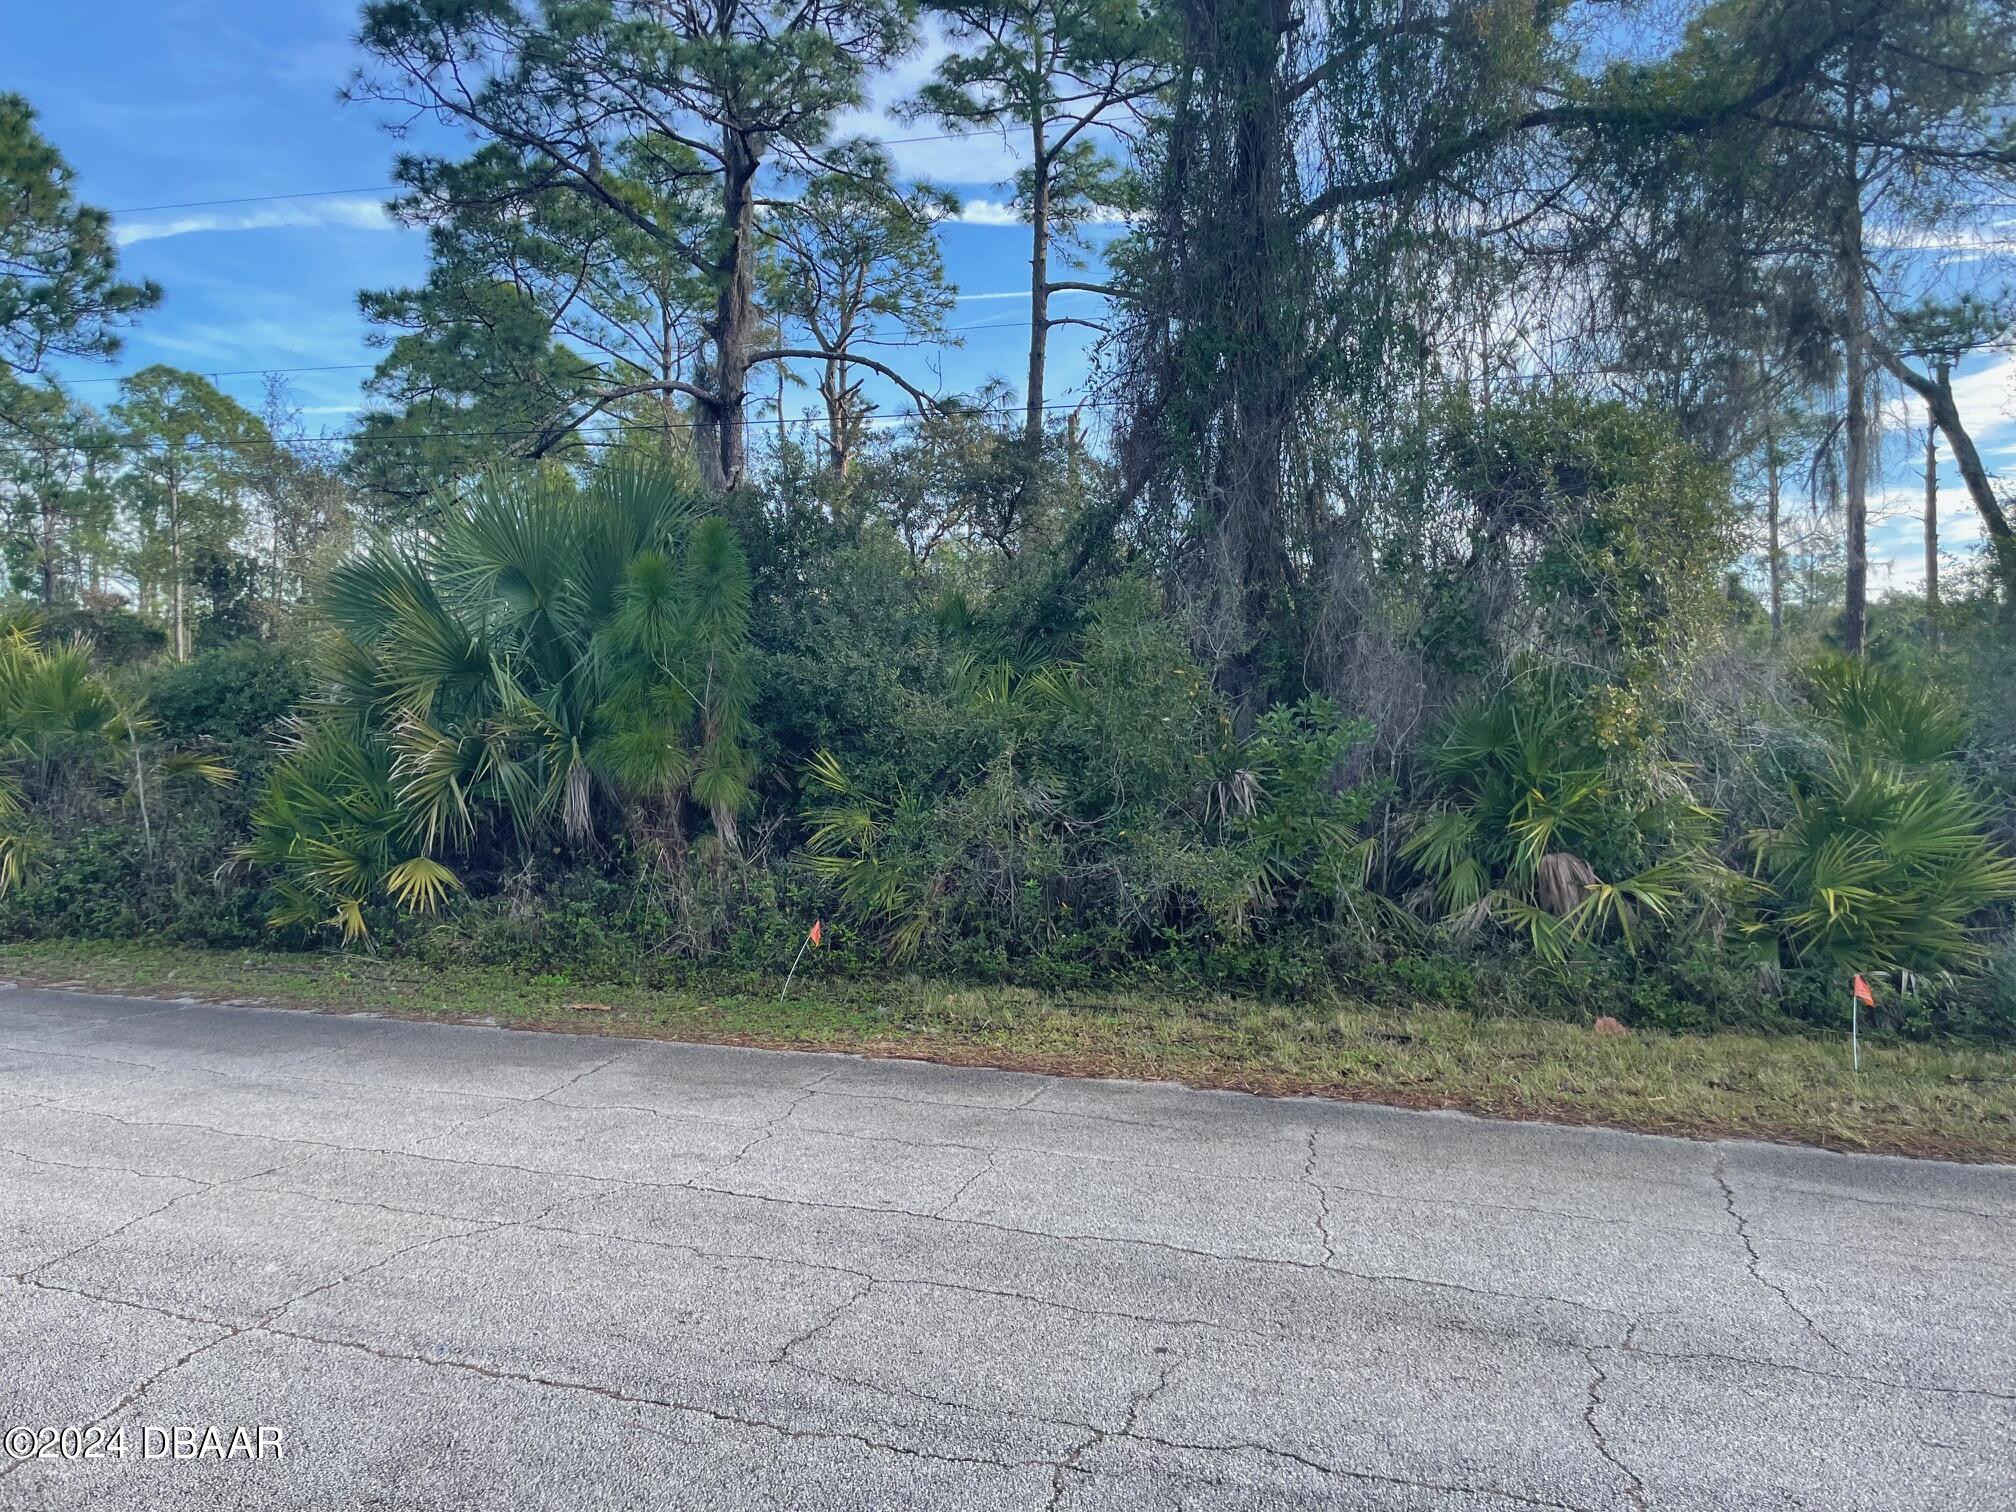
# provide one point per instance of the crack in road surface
(1756, 1263)
(1634, 1490)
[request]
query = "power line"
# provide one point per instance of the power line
(352, 367)
(327, 367)
(255, 199)
(298, 194)
(602, 426)
(598, 437)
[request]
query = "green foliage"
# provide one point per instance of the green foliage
(1875, 711)
(235, 695)
(1538, 825)
(1100, 799)
(331, 823)
(1067, 63)
(624, 152)
(60, 292)
(60, 726)
(1593, 531)
(189, 449)
(1879, 857)
(857, 273)
(56, 493)
(1288, 810)
(1882, 867)
(118, 637)
(554, 664)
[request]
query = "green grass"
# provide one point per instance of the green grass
(1910, 1099)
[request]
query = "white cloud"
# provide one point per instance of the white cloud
(981, 212)
(970, 158)
(1966, 241)
(986, 212)
(355, 213)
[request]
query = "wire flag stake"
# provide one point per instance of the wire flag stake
(816, 936)
(1858, 994)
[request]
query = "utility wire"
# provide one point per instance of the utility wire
(297, 194)
(352, 367)
(325, 367)
(597, 437)
(601, 426)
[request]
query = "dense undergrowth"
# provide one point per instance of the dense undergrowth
(630, 731)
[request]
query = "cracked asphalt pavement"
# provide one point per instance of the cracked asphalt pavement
(461, 1267)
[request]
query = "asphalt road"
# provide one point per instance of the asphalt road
(470, 1268)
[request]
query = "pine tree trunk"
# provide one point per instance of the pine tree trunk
(48, 553)
(1932, 530)
(833, 390)
(1039, 257)
(1855, 611)
(724, 462)
(1039, 301)
(1937, 392)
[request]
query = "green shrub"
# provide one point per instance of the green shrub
(556, 666)
(1104, 802)
(1880, 868)
(1876, 711)
(1537, 825)
(61, 727)
(233, 695)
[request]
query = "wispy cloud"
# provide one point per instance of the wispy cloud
(982, 212)
(1983, 394)
(986, 212)
(356, 213)
(282, 333)
(1966, 240)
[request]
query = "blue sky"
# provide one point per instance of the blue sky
(166, 103)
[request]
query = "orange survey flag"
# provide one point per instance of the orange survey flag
(816, 938)
(1862, 993)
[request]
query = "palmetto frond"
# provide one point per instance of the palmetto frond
(1881, 867)
(420, 884)
(199, 765)
(1881, 712)
(1531, 802)
(52, 701)
(428, 657)
(434, 772)
(555, 654)
(359, 593)
(58, 719)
